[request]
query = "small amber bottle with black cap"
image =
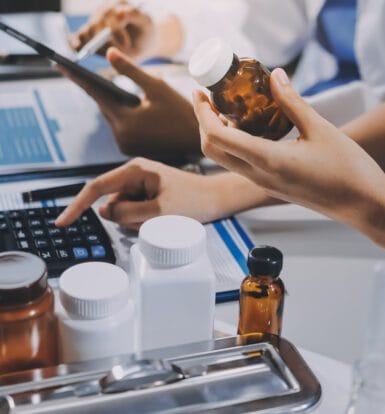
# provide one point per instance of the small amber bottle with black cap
(262, 293)
(240, 89)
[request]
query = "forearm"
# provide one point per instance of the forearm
(370, 217)
(234, 193)
(369, 132)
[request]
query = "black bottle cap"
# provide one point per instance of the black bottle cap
(265, 261)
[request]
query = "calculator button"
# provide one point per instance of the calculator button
(3, 226)
(32, 213)
(54, 231)
(63, 254)
(80, 253)
(92, 239)
(20, 234)
(35, 222)
(87, 228)
(71, 230)
(98, 252)
(84, 219)
(2, 216)
(17, 224)
(24, 245)
(46, 255)
(59, 241)
(15, 214)
(38, 232)
(50, 211)
(50, 222)
(76, 240)
(41, 243)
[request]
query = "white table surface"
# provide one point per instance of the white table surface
(335, 378)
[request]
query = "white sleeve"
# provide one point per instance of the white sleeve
(273, 31)
(279, 29)
(202, 19)
(370, 49)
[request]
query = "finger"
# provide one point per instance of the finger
(292, 104)
(74, 42)
(122, 39)
(126, 213)
(253, 150)
(135, 226)
(134, 195)
(83, 36)
(224, 120)
(228, 161)
(124, 66)
(111, 182)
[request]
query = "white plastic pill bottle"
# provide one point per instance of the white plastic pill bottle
(174, 283)
(96, 313)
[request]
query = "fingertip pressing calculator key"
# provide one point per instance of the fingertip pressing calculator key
(33, 230)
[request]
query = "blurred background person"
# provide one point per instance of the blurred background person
(333, 48)
(333, 41)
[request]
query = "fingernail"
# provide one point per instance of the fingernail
(103, 211)
(281, 76)
(58, 220)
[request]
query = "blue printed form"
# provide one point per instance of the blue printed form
(22, 140)
(228, 246)
(52, 123)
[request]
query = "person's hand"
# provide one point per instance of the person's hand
(322, 169)
(142, 189)
(163, 124)
(133, 31)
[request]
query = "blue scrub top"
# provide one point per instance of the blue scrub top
(336, 32)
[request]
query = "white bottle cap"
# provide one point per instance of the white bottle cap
(93, 290)
(211, 61)
(172, 240)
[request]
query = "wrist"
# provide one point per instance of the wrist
(233, 193)
(373, 221)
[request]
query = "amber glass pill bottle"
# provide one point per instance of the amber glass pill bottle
(27, 320)
(262, 293)
(240, 89)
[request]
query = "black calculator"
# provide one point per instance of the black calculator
(33, 230)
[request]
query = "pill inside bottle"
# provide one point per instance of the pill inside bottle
(240, 89)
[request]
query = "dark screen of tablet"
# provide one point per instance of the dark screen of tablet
(117, 93)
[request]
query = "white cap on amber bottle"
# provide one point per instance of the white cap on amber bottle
(211, 61)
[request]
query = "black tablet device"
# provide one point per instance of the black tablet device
(119, 94)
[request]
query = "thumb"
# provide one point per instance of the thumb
(126, 67)
(291, 103)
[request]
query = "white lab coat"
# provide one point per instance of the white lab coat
(293, 30)
(276, 31)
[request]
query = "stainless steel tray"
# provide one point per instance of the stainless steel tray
(253, 373)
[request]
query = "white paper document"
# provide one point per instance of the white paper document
(52, 123)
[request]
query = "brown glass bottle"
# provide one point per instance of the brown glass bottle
(28, 337)
(262, 293)
(241, 90)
